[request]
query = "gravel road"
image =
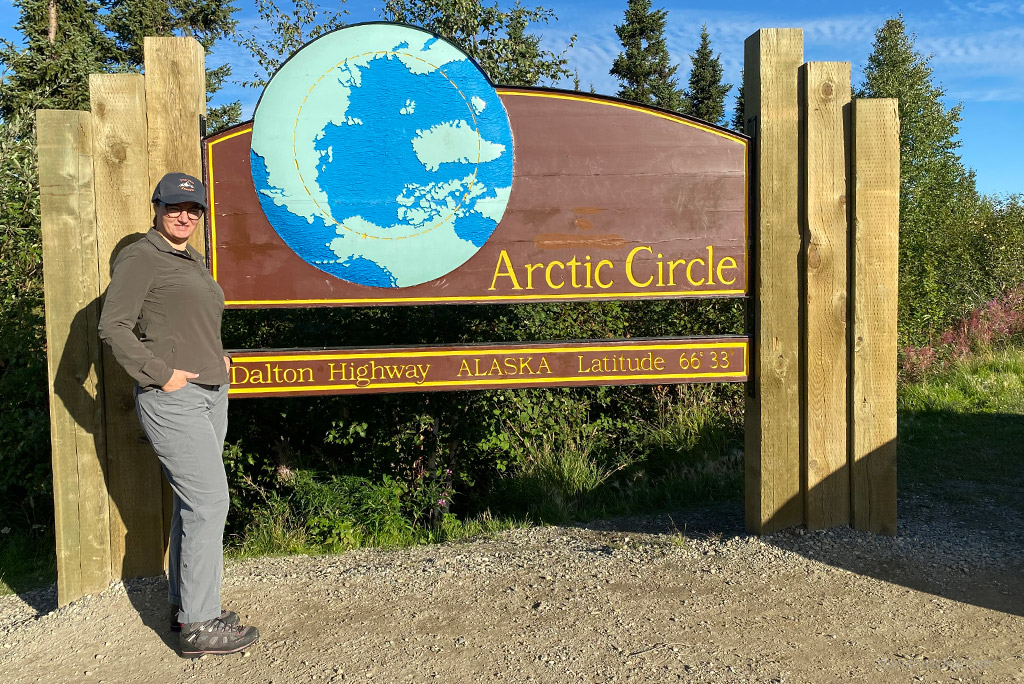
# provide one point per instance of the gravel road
(689, 598)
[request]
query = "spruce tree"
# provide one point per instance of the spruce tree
(705, 97)
(129, 21)
(942, 261)
(498, 40)
(64, 43)
(643, 68)
(738, 112)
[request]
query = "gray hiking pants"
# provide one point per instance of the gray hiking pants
(186, 428)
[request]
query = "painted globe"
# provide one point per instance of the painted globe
(382, 155)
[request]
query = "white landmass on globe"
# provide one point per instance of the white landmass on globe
(294, 175)
(409, 108)
(453, 141)
(408, 268)
(478, 104)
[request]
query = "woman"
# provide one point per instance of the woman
(161, 318)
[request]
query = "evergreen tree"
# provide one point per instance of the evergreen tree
(738, 113)
(942, 261)
(705, 97)
(497, 40)
(643, 68)
(64, 43)
(129, 21)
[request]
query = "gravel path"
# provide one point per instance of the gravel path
(688, 598)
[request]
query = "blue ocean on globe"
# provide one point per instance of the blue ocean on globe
(405, 183)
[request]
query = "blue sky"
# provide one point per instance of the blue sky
(977, 48)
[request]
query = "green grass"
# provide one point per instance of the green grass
(961, 431)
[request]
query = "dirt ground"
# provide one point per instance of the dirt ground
(689, 598)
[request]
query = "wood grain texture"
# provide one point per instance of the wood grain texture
(826, 98)
(773, 493)
(876, 190)
(121, 163)
(175, 103)
(71, 293)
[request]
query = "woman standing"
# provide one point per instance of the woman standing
(161, 318)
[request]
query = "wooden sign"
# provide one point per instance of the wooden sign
(466, 367)
(382, 167)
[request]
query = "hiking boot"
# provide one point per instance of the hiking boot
(215, 638)
(228, 617)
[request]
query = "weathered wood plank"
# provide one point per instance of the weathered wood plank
(773, 494)
(826, 97)
(876, 195)
(71, 293)
(121, 163)
(175, 103)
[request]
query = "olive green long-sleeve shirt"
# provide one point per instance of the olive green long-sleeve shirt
(163, 311)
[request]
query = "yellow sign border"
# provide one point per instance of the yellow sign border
(341, 388)
(622, 104)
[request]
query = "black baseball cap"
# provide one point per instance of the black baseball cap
(176, 188)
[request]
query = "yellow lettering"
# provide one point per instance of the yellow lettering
(711, 263)
(530, 268)
(547, 275)
(597, 274)
(689, 272)
(464, 368)
(672, 270)
(721, 265)
(508, 273)
(572, 264)
(629, 267)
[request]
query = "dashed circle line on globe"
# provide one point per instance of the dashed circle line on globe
(326, 213)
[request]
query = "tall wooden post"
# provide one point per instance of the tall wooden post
(876, 212)
(826, 99)
(773, 494)
(71, 290)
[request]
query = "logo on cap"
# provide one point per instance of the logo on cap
(186, 184)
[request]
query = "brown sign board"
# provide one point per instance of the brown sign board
(609, 200)
(668, 361)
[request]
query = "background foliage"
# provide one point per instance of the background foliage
(329, 473)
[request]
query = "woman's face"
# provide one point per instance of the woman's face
(177, 222)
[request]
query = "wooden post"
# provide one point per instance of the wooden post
(773, 495)
(876, 202)
(826, 98)
(71, 290)
(121, 165)
(175, 105)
